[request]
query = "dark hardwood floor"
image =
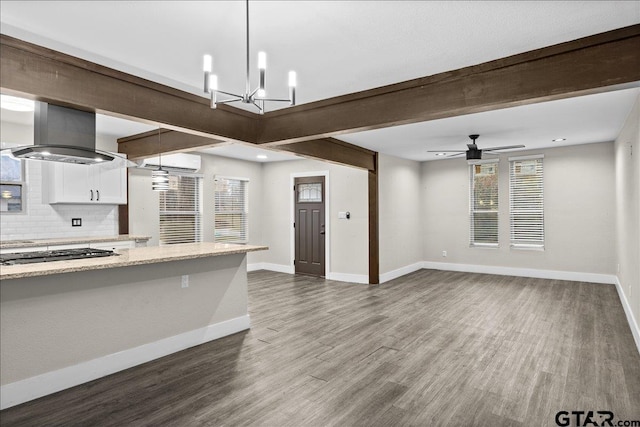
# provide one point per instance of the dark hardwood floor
(432, 348)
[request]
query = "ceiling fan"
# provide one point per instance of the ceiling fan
(473, 152)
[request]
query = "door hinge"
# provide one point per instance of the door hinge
(294, 225)
(294, 262)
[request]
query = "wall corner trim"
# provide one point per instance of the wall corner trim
(399, 272)
(51, 382)
(633, 323)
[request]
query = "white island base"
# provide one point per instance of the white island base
(61, 330)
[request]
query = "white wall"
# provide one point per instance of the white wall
(627, 206)
(400, 219)
(579, 213)
(349, 239)
(43, 221)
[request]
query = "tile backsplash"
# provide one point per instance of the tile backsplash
(44, 221)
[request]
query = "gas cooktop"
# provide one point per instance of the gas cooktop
(56, 255)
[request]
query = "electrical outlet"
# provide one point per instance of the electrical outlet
(444, 253)
(76, 222)
(185, 281)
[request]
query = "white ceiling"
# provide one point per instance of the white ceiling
(339, 47)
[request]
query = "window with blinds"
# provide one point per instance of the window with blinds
(231, 210)
(180, 210)
(483, 204)
(526, 202)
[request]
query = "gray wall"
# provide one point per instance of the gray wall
(401, 222)
(627, 206)
(143, 202)
(347, 192)
(579, 213)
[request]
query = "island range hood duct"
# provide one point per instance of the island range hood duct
(63, 135)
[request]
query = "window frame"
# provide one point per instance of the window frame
(23, 187)
(515, 243)
(198, 215)
(244, 212)
(473, 212)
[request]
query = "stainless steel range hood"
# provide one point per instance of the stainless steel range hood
(63, 135)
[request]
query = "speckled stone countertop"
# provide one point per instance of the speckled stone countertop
(127, 257)
(28, 243)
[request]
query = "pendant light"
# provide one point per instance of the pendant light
(159, 177)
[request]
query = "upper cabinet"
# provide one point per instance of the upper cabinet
(84, 184)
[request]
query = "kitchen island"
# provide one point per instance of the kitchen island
(64, 323)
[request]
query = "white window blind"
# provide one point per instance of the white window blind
(526, 202)
(483, 204)
(231, 210)
(180, 210)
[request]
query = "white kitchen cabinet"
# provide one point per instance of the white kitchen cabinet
(85, 184)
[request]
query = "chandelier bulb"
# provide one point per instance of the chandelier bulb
(207, 63)
(262, 60)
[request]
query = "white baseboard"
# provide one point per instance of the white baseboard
(41, 385)
(351, 278)
(609, 279)
(633, 323)
(289, 269)
(394, 274)
(278, 268)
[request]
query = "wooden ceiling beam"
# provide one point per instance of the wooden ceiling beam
(148, 144)
(43, 74)
(599, 63)
(332, 150)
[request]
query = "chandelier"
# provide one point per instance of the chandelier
(257, 97)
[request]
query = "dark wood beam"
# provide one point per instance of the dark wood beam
(333, 150)
(374, 235)
(43, 74)
(328, 149)
(148, 144)
(603, 62)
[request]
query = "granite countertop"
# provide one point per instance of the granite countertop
(28, 243)
(127, 257)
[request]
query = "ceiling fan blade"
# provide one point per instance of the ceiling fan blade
(445, 151)
(505, 147)
(455, 155)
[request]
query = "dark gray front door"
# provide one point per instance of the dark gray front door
(309, 225)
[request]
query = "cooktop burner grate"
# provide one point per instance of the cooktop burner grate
(55, 255)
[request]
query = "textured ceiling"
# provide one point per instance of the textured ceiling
(336, 47)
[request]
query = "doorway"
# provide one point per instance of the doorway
(309, 225)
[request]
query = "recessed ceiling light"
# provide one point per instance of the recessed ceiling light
(559, 139)
(16, 104)
(262, 156)
(441, 154)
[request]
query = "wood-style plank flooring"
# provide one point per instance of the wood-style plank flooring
(432, 348)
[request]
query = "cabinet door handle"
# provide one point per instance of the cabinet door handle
(91, 195)
(98, 193)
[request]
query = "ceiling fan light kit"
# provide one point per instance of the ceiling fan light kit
(256, 97)
(473, 152)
